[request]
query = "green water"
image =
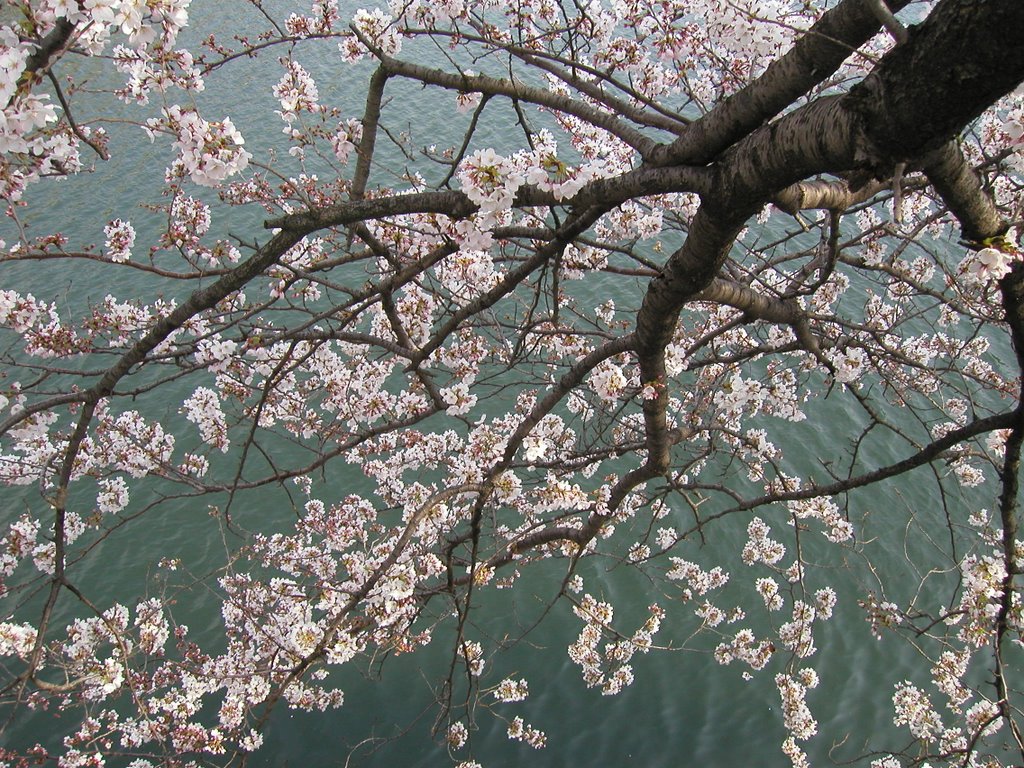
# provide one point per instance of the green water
(684, 709)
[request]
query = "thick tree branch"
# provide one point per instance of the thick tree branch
(371, 121)
(891, 23)
(1012, 286)
(450, 203)
(831, 134)
(924, 92)
(831, 195)
(961, 190)
(813, 59)
(40, 60)
(607, 193)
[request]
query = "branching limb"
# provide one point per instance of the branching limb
(813, 59)
(40, 60)
(962, 191)
(889, 21)
(831, 195)
(512, 89)
(371, 121)
(1012, 286)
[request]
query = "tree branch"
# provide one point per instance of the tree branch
(813, 59)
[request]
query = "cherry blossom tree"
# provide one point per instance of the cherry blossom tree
(710, 238)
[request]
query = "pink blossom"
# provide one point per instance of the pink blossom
(989, 264)
(120, 239)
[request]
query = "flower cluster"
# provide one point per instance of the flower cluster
(17, 639)
(745, 647)
(548, 173)
(749, 396)
(324, 16)
(203, 409)
(435, 13)
(913, 708)
(215, 352)
(156, 70)
(609, 669)
(120, 239)
(143, 21)
(850, 364)
(768, 589)
(467, 274)
(609, 381)
(980, 599)
(113, 495)
(1013, 130)
(796, 716)
(189, 220)
(760, 547)
(948, 674)
(698, 581)
(458, 398)
(798, 634)
(986, 264)
(473, 654)
(380, 31)
(128, 443)
(209, 153)
(346, 138)
(526, 733)
(509, 690)
(457, 735)
(839, 529)
(490, 180)
(881, 613)
(297, 92)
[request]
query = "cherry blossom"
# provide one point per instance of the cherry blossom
(209, 152)
(120, 239)
(520, 304)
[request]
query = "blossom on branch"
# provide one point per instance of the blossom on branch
(209, 152)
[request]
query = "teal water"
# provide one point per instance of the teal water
(684, 709)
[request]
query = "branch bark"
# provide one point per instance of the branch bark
(961, 190)
(892, 117)
(815, 57)
(831, 195)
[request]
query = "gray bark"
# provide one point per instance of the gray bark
(963, 58)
